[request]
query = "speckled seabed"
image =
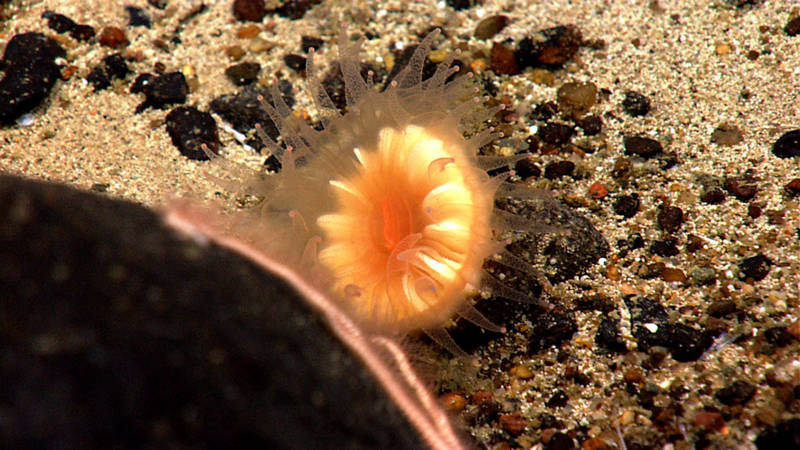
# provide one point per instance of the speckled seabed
(694, 60)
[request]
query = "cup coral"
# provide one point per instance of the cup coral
(389, 207)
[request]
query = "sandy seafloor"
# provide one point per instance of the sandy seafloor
(690, 59)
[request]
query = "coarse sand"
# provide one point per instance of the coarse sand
(703, 65)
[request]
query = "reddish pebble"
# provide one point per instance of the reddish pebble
(112, 37)
(503, 60)
(598, 190)
(673, 274)
(710, 420)
(454, 402)
(481, 397)
(793, 187)
(513, 423)
(249, 10)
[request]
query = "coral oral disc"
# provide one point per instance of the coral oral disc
(411, 244)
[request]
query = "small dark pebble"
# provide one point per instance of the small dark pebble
(113, 67)
(113, 37)
(609, 337)
(159, 4)
(460, 5)
(309, 42)
(726, 134)
(670, 218)
(293, 9)
(754, 210)
(544, 111)
(646, 310)
(665, 247)
(756, 267)
(295, 62)
(190, 129)
(137, 17)
(784, 435)
(30, 68)
(502, 61)
(591, 125)
(560, 441)
(687, 343)
(63, 24)
(738, 393)
(722, 308)
(792, 27)
(551, 329)
(249, 10)
(526, 169)
(778, 336)
(623, 167)
(636, 104)
(558, 400)
(558, 169)
(635, 240)
(59, 22)
(788, 145)
(243, 73)
(556, 133)
(713, 195)
(160, 90)
(488, 27)
(243, 110)
(627, 205)
(693, 243)
(642, 146)
(744, 188)
(793, 187)
(552, 47)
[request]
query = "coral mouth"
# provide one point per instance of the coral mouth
(402, 242)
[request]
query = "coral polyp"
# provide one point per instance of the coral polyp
(388, 206)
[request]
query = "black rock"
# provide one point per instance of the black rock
(551, 47)
(243, 73)
(756, 267)
(160, 90)
(244, 110)
(627, 205)
(31, 71)
(651, 327)
(636, 104)
(784, 435)
(642, 146)
(665, 247)
(788, 145)
(63, 24)
(137, 17)
(112, 67)
(670, 218)
(687, 343)
(556, 133)
(190, 130)
(309, 42)
(59, 22)
(123, 334)
(738, 393)
(551, 329)
(609, 336)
